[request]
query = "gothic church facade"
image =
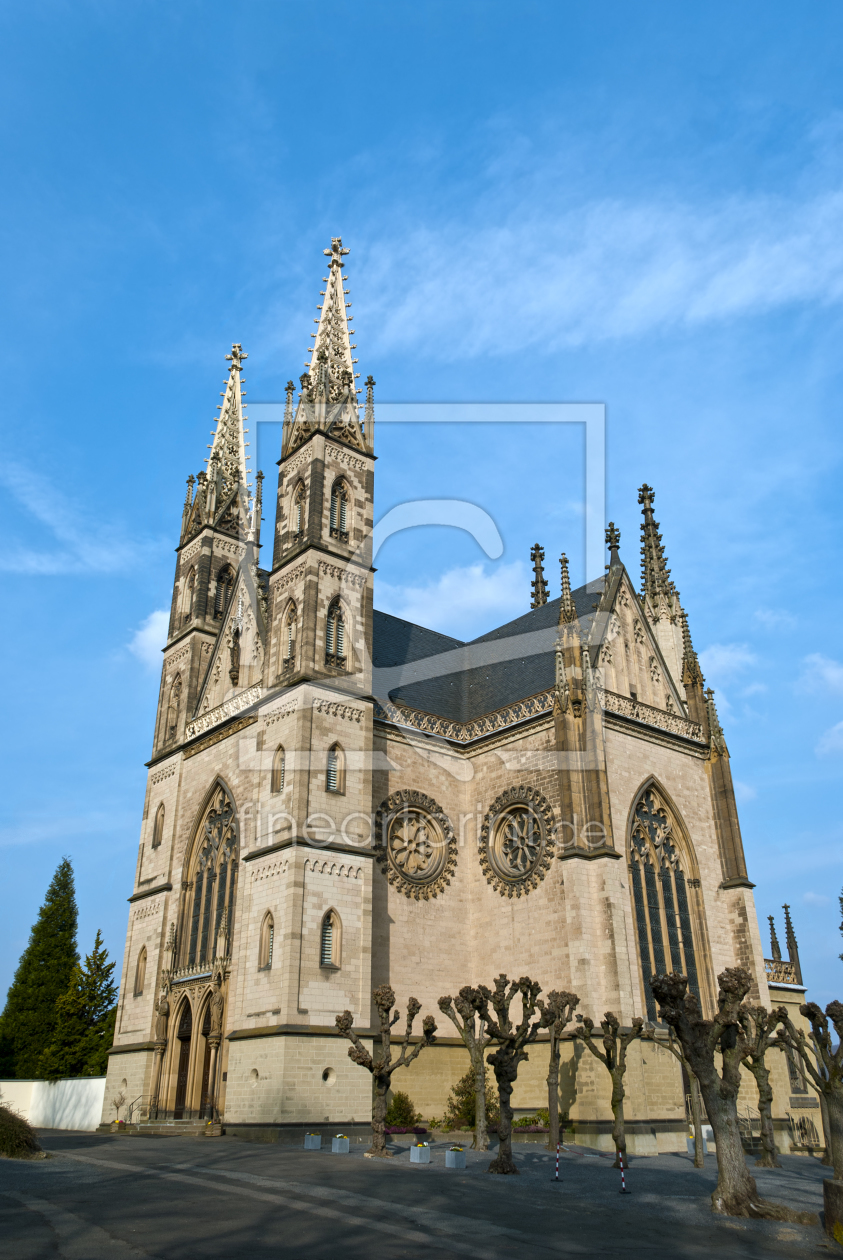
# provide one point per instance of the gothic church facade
(338, 798)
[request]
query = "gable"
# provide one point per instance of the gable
(237, 661)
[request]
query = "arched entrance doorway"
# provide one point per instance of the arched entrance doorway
(184, 1034)
(205, 1093)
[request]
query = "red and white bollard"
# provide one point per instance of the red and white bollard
(556, 1178)
(623, 1189)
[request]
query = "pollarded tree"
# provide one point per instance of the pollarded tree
(42, 978)
(85, 1020)
(736, 1193)
(464, 1013)
(511, 1039)
(616, 1042)
(675, 1048)
(383, 1067)
(558, 1010)
(828, 1075)
(758, 1025)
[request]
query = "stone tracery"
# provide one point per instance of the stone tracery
(517, 840)
(415, 844)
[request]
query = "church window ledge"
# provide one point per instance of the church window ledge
(337, 662)
(340, 534)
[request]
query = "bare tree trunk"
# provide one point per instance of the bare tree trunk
(736, 1190)
(769, 1155)
(379, 1106)
(553, 1091)
(826, 1159)
(696, 1116)
(481, 1132)
(618, 1131)
(834, 1101)
(503, 1161)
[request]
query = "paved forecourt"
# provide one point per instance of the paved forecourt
(112, 1198)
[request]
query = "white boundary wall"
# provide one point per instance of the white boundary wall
(71, 1103)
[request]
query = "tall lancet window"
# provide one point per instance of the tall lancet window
(298, 511)
(660, 889)
(279, 766)
(335, 636)
(211, 878)
(222, 595)
(173, 708)
(289, 638)
(189, 592)
(339, 511)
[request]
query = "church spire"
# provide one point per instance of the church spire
(655, 575)
(328, 398)
(792, 948)
(775, 947)
(228, 458)
(567, 611)
(538, 583)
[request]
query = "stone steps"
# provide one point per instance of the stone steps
(165, 1128)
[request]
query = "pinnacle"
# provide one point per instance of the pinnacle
(655, 575)
(567, 611)
(538, 583)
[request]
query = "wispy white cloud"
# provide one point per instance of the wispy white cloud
(600, 270)
(83, 542)
(463, 602)
(774, 618)
(815, 899)
(149, 638)
(744, 791)
(830, 743)
(821, 673)
(724, 661)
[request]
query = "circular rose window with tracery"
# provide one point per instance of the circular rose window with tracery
(415, 844)
(516, 841)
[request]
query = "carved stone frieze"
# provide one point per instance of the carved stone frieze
(268, 870)
(673, 722)
(158, 776)
(414, 844)
(517, 840)
(227, 709)
(334, 708)
(342, 575)
(288, 578)
(344, 457)
(283, 710)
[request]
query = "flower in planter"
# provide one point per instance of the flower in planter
(457, 1148)
(421, 1143)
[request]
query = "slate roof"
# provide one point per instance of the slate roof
(462, 681)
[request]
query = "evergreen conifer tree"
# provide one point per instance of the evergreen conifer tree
(29, 1019)
(85, 1024)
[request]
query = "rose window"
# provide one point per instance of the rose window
(416, 846)
(517, 844)
(517, 840)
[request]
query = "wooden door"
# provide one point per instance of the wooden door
(184, 1034)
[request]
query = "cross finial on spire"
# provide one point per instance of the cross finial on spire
(337, 252)
(236, 357)
(613, 541)
(538, 583)
(655, 575)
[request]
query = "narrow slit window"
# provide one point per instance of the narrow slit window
(278, 770)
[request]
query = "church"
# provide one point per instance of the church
(337, 799)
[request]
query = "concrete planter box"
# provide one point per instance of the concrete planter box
(313, 1141)
(340, 1145)
(420, 1154)
(455, 1159)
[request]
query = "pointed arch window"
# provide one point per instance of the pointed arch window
(211, 880)
(140, 972)
(330, 941)
(266, 941)
(158, 829)
(174, 708)
(189, 593)
(299, 499)
(289, 637)
(224, 588)
(660, 890)
(335, 772)
(339, 511)
(335, 636)
(279, 765)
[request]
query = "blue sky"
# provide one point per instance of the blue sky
(635, 204)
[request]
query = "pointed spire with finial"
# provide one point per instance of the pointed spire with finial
(792, 948)
(538, 583)
(228, 458)
(655, 575)
(774, 940)
(567, 611)
(369, 417)
(613, 542)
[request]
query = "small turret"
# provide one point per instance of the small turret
(538, 583)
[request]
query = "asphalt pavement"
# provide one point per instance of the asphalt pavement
(104, 1197)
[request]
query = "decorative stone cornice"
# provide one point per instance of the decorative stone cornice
(158, 776)
(334, 708)
(345, 457)
(283, 710)
(533, 706)
(625, 706)
(780, 971)
(281, 584)
(228, 709)
(342, 575)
